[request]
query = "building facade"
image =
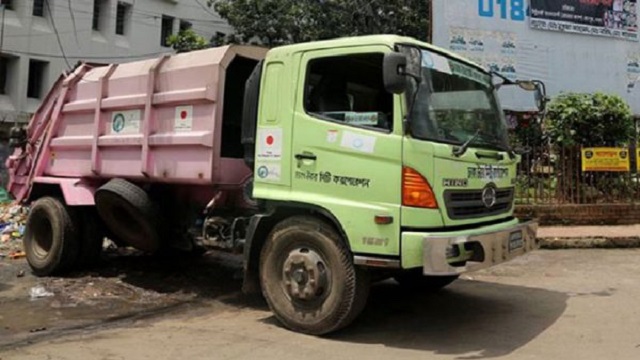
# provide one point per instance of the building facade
(40, 39)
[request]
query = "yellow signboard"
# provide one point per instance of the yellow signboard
(605, 159)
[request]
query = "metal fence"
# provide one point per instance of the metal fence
(550, 174)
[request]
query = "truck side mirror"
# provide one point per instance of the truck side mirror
(538, 87)
(394, 66)
(527, 85)
(541, 100)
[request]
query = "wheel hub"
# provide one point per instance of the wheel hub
(304, 275)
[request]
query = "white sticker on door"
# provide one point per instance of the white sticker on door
(363, 143)
(332, 136)
(184, 118)
(268, 172)
(269, 144)
(125, 122)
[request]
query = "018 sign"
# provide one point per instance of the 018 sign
(515, 10)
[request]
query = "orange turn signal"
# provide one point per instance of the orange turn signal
(416, 191)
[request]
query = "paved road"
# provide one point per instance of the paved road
(569, 304)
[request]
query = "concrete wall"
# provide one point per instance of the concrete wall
(584, 214)
(25, 37)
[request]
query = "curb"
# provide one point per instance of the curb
(589, 242)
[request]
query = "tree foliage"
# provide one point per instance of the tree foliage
(187, 40)
(576, 119)
(278, 22)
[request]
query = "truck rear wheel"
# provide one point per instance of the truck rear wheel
(308, 277)
(414, 279)
(129, 213)
(50, 238)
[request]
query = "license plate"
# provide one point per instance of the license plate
(516, 240)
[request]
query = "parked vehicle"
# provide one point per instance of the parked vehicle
(327, 164)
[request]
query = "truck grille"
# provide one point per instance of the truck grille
(467, 204)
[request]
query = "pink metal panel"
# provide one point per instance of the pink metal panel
(75, 191)
(149, 115)
(172, 108)
(97, 119)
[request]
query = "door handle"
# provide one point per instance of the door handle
(306, 156)
(496, 156)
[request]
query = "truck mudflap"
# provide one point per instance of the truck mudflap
(453, 255)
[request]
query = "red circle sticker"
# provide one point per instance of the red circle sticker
(270, 140)
(183, 114)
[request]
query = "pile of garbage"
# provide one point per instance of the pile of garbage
(12, 223)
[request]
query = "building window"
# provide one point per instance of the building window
(8, 4)
(100, 14)
(167, 29)
(185, 25)
(38, 7)
(122, 18)
(5, 72)
(349, 89)
(37, 75)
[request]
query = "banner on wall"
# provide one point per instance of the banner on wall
(605, 159)
(611, 18)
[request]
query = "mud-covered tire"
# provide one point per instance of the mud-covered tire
(341, 291)
(415, 280)
(91, 236)
(50, 239)
(129, 213)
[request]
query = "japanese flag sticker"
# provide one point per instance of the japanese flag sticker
(184, 118)
(270, 144)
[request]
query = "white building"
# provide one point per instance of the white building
(40, 39)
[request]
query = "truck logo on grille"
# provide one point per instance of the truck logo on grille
(489, 196)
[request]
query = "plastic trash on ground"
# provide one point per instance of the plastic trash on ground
(37, 292)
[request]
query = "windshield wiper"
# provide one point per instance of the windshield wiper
(459, 151)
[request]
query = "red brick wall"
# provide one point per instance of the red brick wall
(600, 214)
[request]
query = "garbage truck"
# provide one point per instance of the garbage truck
(326, 165)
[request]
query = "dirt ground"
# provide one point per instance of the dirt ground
(565, 304)
(125, 287)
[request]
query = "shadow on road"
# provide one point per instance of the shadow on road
(470, 319)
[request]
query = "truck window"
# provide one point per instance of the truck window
(349, 89)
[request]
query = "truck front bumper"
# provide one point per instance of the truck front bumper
(456, 252)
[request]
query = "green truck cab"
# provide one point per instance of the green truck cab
(375, 157)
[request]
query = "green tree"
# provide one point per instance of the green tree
(187, 40)
(576, 119)
(278, 22)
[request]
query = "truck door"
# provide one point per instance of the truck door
(346, 146)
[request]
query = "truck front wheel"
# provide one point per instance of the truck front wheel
(51, 238)
(308, 277)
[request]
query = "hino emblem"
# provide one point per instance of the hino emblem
(489, 196)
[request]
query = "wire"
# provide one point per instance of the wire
(87, 57)
(73, 21)
(53, 24)
(205, 8)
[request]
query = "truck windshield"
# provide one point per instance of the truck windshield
(453, 102)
